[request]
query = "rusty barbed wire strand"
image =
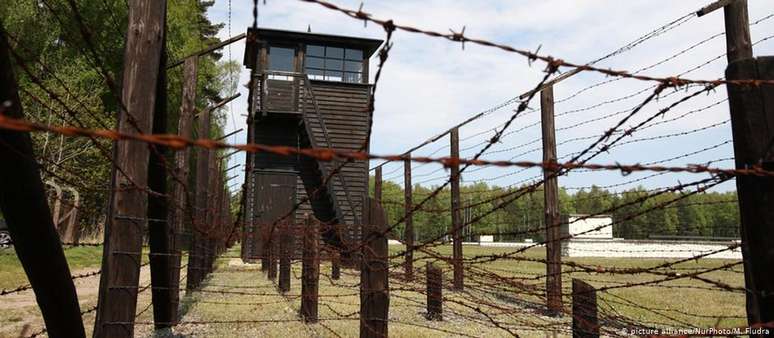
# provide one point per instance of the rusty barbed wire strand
(326, 154)
(482, 310)
(510, 101)
(531, 56)
(662, 61)
(593, 106)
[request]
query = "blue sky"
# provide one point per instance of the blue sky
(430, 84)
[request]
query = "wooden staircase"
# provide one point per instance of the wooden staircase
(291, 95)
(323, 183)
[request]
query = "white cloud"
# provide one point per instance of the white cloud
(430, 84)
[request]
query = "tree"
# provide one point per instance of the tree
(67, 77)
(515, 213)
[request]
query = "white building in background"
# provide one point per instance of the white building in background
(592, 236)
(587, 227)
(486, 239)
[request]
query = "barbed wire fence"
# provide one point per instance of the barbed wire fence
(154, 196)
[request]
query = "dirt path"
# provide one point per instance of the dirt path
(21, 309)
(237, 300)
(87, 287)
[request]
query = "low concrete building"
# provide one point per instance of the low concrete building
(621, 248)
(587, 227)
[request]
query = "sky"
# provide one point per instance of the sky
(430, 84)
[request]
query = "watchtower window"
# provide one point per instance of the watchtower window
(334, 63)
(281, 59)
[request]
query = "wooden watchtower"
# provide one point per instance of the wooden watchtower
(307, 91)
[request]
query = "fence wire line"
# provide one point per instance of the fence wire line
(480, 309)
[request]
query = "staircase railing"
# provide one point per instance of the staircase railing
(305, 93)
(342, 179)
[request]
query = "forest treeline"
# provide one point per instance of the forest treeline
(68, 64)
(709, 214)
(69, 70)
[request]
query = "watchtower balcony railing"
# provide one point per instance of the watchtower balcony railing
(282, 93)
(279, 92)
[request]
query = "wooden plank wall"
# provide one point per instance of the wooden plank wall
(344, 108)
(276, 131)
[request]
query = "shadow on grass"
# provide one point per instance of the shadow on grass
(187, 303)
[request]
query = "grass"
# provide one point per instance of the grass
(670, 302)
(79, 258)
(252, 307)
(19, 310)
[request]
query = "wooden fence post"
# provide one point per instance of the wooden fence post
(226, 225)
(335, 264)
(408, 232)
(456, 215)
(212, 189)
(285, 245)
(180, 211)
(585, 323)
(434, 292)
(374, 274)
(551, 196)
(160, 238)
(264, 246)
(198, 249)
(752, 125)
(221, 213)
(273, 248)
(124, 230)
(737, 25)
(752, 113)
(310, 271)
(25, 208)
(378, 185)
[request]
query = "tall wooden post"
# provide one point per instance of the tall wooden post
(212, 208)
(124, 229)
(160, 236)
(224, 217)
(310, 271)
(230, 231)
(434, 292)
(374, 274)
(335, 264)
(196, 253)
(285, 245)
(456, 216)
(25, 208)
(272, 246)
(752, 125)
(752, 116)
(180, 211)
(738, 44)
(551, 194)
(264, 245)
(408, 232)
(585, 323)
(378, 185)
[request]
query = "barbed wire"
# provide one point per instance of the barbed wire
(326, 154)
(550, 61)
(476, 304)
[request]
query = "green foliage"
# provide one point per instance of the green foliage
(78, 258)
(521, 216)
(69, 71)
